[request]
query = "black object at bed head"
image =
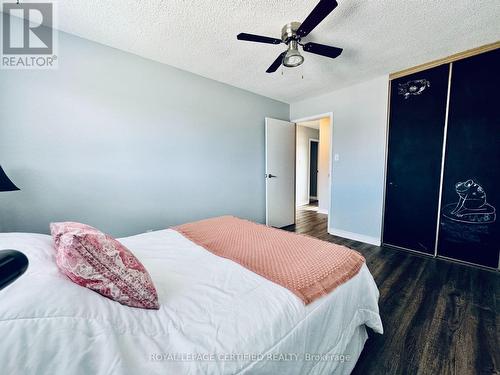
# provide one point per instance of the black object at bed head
(12, 265)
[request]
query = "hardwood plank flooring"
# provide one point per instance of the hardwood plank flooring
(439, 317)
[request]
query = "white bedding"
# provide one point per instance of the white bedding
(211, 308)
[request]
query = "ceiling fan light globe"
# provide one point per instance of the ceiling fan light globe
(293, 59)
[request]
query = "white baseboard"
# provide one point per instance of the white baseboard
(322, 211)
(304, 203)
(355, 236)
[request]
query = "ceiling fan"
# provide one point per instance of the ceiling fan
(291, 35)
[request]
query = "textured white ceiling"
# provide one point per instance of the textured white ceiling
(378, 37)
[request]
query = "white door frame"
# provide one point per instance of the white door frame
(309, 171)
(330, 168)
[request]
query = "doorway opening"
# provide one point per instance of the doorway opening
(298, 162)
(313, 164)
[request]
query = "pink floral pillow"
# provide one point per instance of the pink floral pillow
(97, 261)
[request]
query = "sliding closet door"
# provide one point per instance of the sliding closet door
(469, 222)
(416, 130)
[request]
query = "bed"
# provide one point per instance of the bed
(216, 317)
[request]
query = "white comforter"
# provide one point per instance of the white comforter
(216, 317)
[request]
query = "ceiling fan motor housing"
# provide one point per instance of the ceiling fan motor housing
(289, 32)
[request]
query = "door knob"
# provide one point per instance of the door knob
(271, 176)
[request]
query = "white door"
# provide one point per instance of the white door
(280, 173)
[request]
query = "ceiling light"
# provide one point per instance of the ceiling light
(293, 57)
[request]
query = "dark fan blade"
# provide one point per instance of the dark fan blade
(258, 38)
(321, 49)
(276, 64)
(318, 14)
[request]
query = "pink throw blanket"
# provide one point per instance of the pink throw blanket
(306, 266)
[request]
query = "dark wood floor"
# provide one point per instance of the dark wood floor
(439, 317)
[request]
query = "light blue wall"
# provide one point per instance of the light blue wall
(359, 138)
(127, 144)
